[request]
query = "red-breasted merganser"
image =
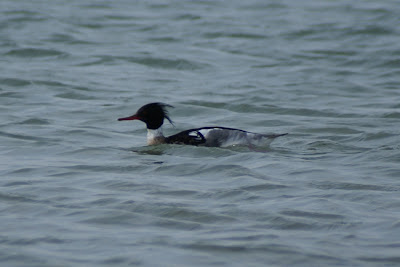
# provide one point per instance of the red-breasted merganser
(153, 115)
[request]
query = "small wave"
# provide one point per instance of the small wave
(14, 82)
(35, 52)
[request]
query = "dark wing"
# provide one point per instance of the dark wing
(189, 137)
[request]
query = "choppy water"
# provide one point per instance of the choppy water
(79, 188)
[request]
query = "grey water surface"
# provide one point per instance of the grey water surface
(79, 188)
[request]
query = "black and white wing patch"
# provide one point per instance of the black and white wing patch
(220, 137)
(189, 137)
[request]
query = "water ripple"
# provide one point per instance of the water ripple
(35, 52)
(79, 188)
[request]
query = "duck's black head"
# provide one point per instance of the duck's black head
(152, 114)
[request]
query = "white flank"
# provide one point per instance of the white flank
(228, 137)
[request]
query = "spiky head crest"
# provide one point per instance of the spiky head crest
(152, 114)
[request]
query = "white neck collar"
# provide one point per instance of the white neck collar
(155, 137)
